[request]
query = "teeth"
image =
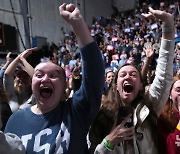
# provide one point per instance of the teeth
(44, 87)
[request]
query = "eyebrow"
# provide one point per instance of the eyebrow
(58, 71)
(128, 71)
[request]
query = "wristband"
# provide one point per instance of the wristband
(108, 145)
(168, 29)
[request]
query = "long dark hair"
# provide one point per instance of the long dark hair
(113, 95)
(170, 112)
(113, 100)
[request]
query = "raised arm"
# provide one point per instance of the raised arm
(86, 101)
(160, 88)
(20, 60)
(149, 54)
(26, 65)
(72, 15)
(167, 22)
(8, 61)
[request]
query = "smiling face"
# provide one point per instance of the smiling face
(109, 77)
(22, 82)
(175, 94)
(128, 83)
(48, 85)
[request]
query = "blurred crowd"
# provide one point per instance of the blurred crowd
(121, 39)
(124, 38)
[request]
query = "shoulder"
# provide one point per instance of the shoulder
(21, 113)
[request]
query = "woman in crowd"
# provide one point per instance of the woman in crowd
(173, 119)
(128, 91)
(17, 82)
(54, 124)
(74, 81)
(109, 76)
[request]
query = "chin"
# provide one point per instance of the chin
(127, 100)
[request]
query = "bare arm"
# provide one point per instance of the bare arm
(27, 66)
(8, 60)
(10, 70)
(17, 61)
(167, 22)
(149, 54)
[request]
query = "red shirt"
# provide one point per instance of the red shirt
(173, 141)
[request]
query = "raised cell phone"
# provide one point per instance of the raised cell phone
(123, 112)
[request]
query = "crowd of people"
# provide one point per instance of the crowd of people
(109, 88)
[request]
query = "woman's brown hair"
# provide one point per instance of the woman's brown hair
(169, 112)
(113, 100)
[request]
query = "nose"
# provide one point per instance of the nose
(45, 78)
(111, 78)
(127, 76)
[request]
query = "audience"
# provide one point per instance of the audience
(126, 40)
(17, 82)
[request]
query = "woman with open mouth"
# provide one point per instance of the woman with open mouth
(135, 113)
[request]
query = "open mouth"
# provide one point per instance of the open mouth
(46, 92)
(128, 88)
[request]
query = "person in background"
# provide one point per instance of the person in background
(145, 67)
(135, 130)
(8, 61)
(55, 124)
(17, 82)
(173, 139)
(169, 119)
(109, 76)
(9, 143)
(74, 81)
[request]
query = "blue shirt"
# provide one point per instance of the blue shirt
(64, 129)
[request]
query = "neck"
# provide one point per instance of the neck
(37, 109)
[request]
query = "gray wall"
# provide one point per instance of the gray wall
(123, 5)
(44, 16)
